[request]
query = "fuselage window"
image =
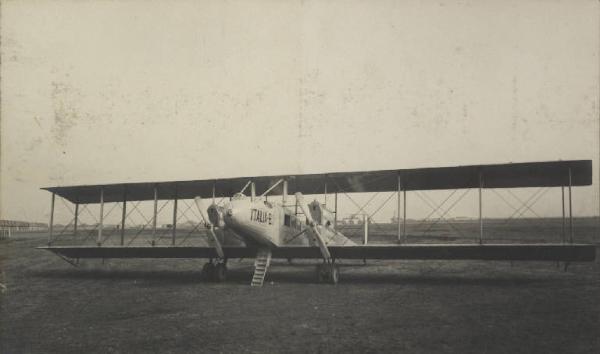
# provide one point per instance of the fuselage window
(287, 220)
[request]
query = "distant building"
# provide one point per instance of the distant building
(7, 227)
(15, 225)
(353, 220)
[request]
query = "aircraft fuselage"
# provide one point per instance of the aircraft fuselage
(264, 223)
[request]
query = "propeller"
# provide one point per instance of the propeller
(313, 226)
(209, 226)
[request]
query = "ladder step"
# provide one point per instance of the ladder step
(261, 264)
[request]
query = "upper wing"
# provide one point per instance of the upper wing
(530, 174)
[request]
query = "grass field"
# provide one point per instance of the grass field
(163, 306)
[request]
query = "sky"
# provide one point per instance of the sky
(127, 91)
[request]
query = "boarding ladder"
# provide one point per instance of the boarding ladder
(261, 264)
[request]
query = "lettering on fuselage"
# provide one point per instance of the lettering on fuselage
(261, 216)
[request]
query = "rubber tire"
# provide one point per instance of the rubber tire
(208, 271)
(321, 277)
(219, 272)
(334, 275)
(324, 273)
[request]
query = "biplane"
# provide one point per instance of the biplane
(289, 227)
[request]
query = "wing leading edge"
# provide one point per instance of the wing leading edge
(512, 175)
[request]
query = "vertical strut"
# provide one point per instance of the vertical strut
(325, 194)
(123, 214)
(174, 228)
(101, 226)
(399, 209)
(75, 219)
(562, 190)
(252, 191)
(213, 191)
(154, 216)
(285, 192)
(335, 211)
(51, 219)
(366, 226)
(480, 209)
(570, 210)
(404, 218)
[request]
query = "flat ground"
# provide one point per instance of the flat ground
(393, 306)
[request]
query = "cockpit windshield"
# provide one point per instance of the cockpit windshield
(238, 196)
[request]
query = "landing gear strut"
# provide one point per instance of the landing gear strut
(215, 271)
(327, 273)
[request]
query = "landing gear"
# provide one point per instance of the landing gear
(219, 272)
(208, 270)
(327, 273)
(215, 271)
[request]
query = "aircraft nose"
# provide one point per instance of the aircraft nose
(231, 214)
(235, 211)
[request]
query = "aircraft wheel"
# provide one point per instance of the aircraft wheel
(334, 275)
(208, 271)
(322, 273)
(327, 273)
(219, 272)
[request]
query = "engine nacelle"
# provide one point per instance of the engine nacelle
(320, 214)
(215, 215)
